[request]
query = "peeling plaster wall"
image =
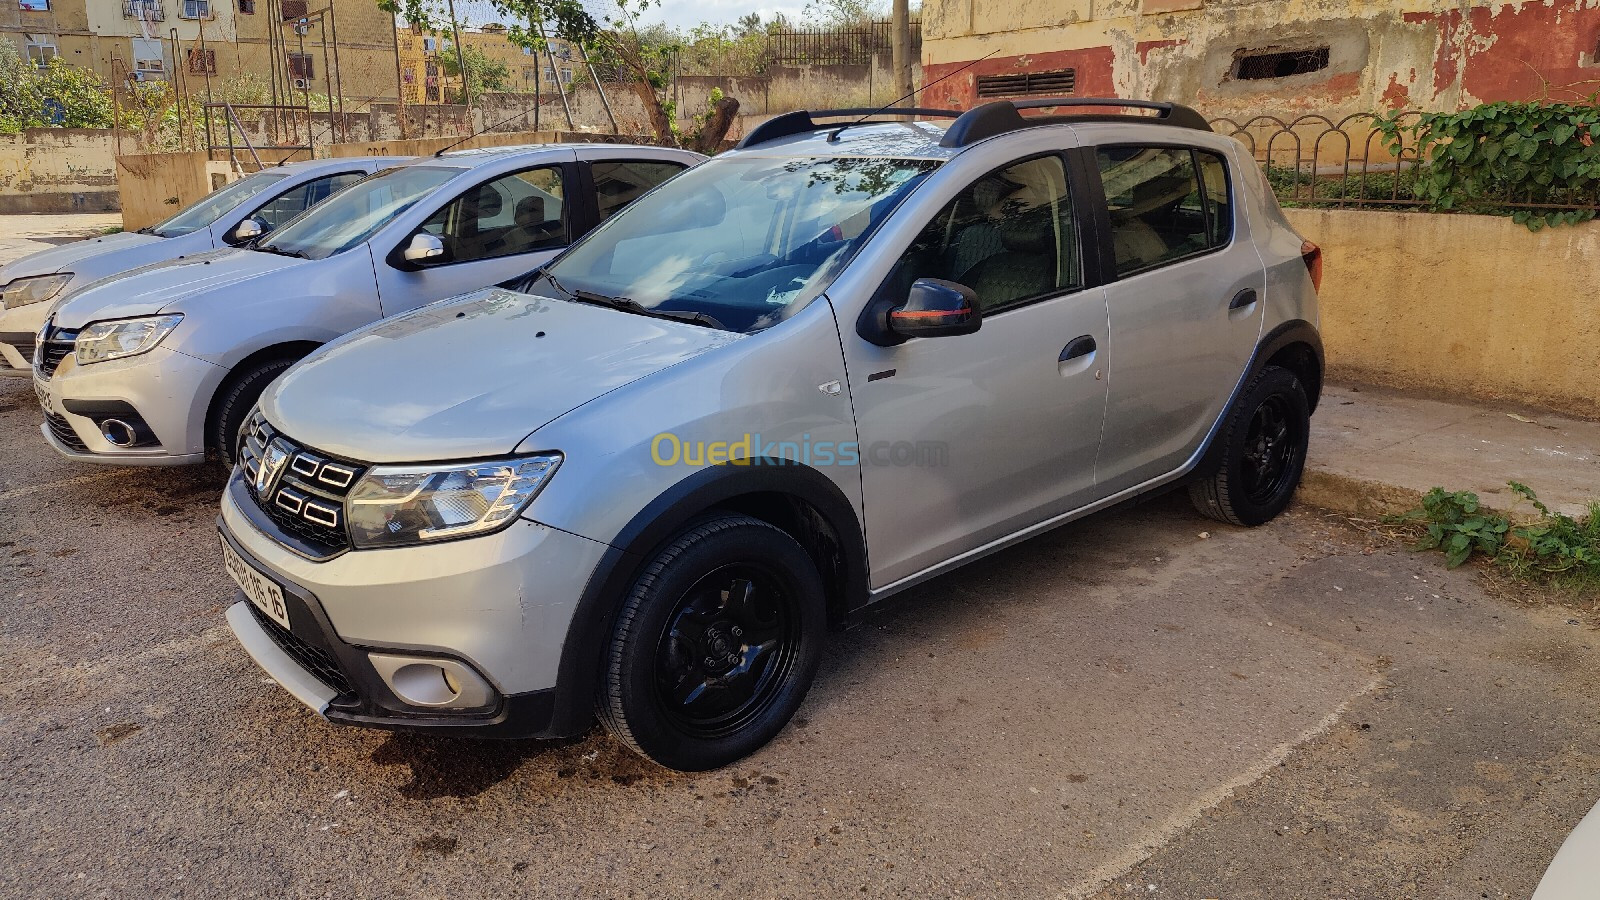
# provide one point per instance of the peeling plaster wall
(1427, 54)
(58, 170)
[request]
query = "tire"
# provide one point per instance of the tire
(687, 683)
(1264, 445)
(234, 400)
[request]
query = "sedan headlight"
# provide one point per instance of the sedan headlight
(396, 505)
(126, 337)
(36, 289)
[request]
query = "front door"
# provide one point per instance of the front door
(1186, 307)
(492, 231)
(965, 440)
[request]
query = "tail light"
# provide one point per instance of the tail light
(1311, 255)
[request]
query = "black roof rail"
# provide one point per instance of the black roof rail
(1002, 116)
(804, 121)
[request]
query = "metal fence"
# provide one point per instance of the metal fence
(835, 46)
(1314, 160)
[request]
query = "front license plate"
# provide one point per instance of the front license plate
(262, 592)
(43, 393)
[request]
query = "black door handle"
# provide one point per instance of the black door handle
(1083, 345)
(1243, 298)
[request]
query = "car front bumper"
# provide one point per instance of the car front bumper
(19, 328)
(168, 390)
(499, 605)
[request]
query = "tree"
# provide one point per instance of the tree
(57, 94)
(484, 74)
(841, 13)
(641, 56)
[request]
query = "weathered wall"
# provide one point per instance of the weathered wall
(45, 170)
(1429, 54)
(1435, 302)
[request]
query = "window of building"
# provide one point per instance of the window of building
(1160, 210)
(144, 10)
(429, 45)
(566, 76)
(202, 62)
(301, 65)
(1261, 65)
(1009, 237)
(549, 75)
(196, 9)
(40, 54)
(293, 9)
(34, 5)
(1025, 84)
(247, 7)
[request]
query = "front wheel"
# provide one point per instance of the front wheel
(716, 645)
(1264, 443)
(235, 399)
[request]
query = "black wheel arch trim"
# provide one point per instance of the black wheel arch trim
(1286, 336)
(578, 676)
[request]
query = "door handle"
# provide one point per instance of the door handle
(1242, 299)
(1083, 345)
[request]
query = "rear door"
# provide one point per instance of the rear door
(493, 230)
(1184, 302)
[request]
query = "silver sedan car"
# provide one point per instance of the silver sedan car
(234, 214)
(160, 366)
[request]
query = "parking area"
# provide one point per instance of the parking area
(1139, 703)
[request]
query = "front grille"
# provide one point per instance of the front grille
(319, 662)
(57, 344)
(62, 429)
(303, 490)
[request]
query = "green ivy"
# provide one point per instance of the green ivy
(1530, 152)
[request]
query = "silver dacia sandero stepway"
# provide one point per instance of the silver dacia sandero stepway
(808, 374)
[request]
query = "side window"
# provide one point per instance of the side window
(517, 213)
(297, 200)
(618, 183)
(1009, 237)
(1159, 211)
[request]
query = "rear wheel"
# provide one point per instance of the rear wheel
(716, 645)
(235, 399)
(1263, 452)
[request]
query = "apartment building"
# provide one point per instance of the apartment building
(323, 46)
(424, 80)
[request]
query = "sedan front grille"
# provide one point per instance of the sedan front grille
(300, 490)
(319, 662)
(58, 343)
(62, 429)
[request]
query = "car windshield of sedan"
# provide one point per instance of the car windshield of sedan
(351, 216)
(739, 243)
(214, 205)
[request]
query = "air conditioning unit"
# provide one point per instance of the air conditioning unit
(302, 84)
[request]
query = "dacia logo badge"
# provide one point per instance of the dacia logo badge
(273, 458)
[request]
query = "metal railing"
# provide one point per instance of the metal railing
(1314, 160)
(148, 10)
(835, 46)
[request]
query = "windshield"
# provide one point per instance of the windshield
(351, 216)
(211, 207)
(746, 241)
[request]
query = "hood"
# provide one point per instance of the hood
(472, 377)
(148, 290)
(97, 254)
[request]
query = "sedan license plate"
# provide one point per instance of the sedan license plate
(43, 393)
(262, 592)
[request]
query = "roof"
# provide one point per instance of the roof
(903, 140)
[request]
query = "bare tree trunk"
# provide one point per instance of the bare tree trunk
(708, 139)
(660, 122)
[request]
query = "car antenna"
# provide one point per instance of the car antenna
(487, 128)
(834, 136)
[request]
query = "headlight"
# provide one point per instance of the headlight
(37, 289)
(395, 505)
(127, 337)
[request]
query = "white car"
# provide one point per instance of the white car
(234, 214)
(161, 365)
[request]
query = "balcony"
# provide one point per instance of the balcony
(147, 10)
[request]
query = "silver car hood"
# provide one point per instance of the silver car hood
(150, 289)
(101, 254)
(471, 377)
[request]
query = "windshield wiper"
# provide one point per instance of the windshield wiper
(627, 305)
(296, 254)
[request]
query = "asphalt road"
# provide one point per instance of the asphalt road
(1143, 703)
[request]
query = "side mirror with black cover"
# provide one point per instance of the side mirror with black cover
(932, 308)
(248, 229)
